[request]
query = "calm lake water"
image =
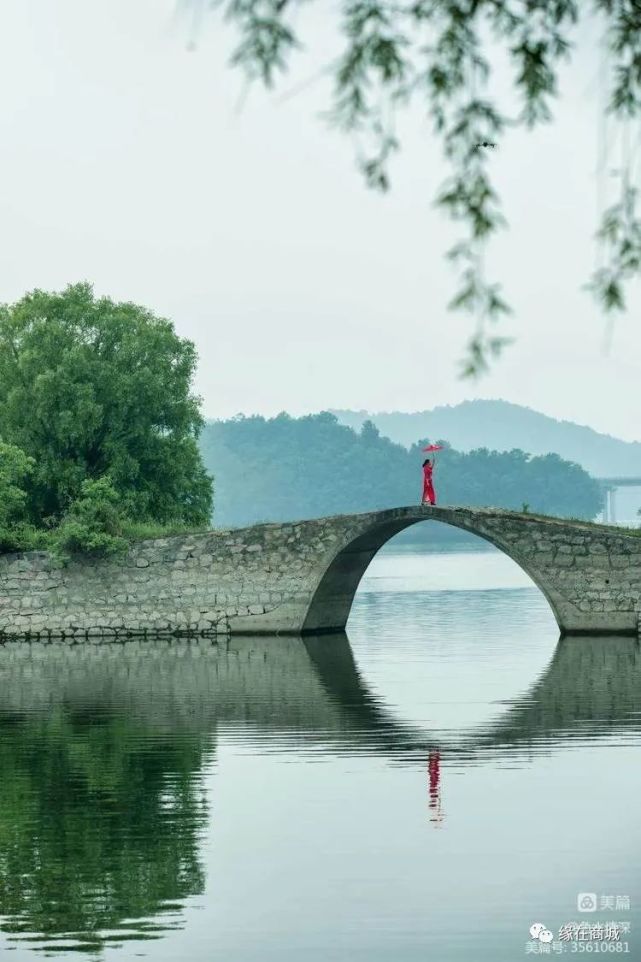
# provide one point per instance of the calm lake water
(426, 788)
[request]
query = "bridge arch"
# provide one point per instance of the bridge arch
(334, 593)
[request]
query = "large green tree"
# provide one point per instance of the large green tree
(440, 54)
(90, 388)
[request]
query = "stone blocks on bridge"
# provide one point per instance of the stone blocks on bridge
(302, 577)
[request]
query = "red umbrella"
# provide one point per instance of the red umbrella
(432, 448)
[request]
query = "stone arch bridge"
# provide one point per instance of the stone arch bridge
(301, 577)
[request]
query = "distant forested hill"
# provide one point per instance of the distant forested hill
(502, 426)
(285, 468)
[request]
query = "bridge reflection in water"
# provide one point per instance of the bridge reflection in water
(104, 751)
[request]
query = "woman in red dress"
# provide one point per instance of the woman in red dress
(429, 495)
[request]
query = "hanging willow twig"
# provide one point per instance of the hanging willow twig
(427, 50)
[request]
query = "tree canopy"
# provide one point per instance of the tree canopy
(438, 52)
(285, 468)
(92, 389)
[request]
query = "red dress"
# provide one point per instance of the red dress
(428, 487)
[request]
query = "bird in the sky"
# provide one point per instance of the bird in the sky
(485, 144)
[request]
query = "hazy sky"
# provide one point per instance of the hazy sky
(131, 161)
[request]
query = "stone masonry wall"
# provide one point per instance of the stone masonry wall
(267, 578)
(590, 574)
(177, 585)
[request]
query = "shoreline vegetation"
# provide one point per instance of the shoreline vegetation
(37, 539)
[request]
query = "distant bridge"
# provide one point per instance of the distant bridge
(609, 486)
(301, 577)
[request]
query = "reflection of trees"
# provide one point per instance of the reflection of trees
(101, 754)
(99, 824)
(102, 749)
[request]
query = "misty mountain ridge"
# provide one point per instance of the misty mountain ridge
(503, 426)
